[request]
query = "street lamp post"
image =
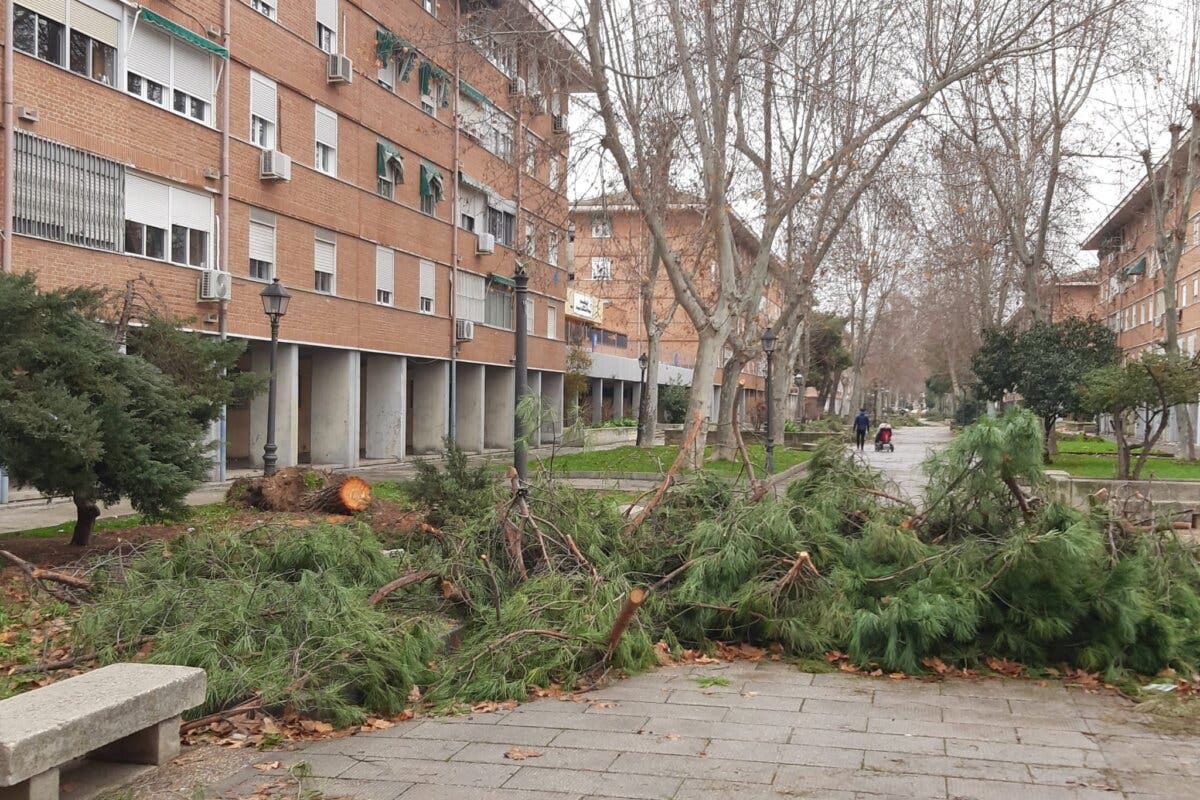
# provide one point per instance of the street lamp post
(768, 346)
(521, 382)
(275, 302)
(643, 401)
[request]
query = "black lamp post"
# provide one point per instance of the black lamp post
(768, 346)
(521, 376)
(275, 302)
(643, 362)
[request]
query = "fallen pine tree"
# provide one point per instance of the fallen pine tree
(300, 489)
(555, 586)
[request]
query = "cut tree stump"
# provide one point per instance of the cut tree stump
(298, 489)
(349, 495)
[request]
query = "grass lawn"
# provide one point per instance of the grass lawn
(1093, 446)
(630, 458)
(212, 512)
(1101, 466)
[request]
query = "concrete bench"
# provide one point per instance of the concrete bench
(122, 712)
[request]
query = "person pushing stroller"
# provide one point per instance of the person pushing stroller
(883, 438)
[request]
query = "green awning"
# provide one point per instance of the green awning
(1136, 268)
(386, 154)
(182, 33)
(424, 77)
(473, 93)
(503, 280)
(388, 46)
(432, 183)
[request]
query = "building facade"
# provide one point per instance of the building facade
(390, 163)
(612, 252)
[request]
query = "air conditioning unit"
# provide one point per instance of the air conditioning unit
(539, 103)
(486, 243)
(464, 330)
(560, 123)
(214, 284)
(340, 69)
(275, 166)
(516, 86)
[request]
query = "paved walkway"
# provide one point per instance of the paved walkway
(913, 446)
(772, 732)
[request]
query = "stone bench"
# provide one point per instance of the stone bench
(122, 712)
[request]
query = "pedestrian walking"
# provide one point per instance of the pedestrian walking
(862, 423)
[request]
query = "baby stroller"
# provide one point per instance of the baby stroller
(883, 439)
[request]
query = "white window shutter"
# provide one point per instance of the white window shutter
(326, 127)
(146, 201)
(530, 323)
(551, 322)
(263, 95)
(96, 24)
(193, 71)
(325, 252)
(327, 14)
(262, 240)
(191, 209)
(54, 9)
(150, 54)
(385, 270)
(428, 282)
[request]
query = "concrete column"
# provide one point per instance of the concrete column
(469, 407)
(636, 404)
(535, 391)
(212, 440)
(552, 392)
(430, 405)
(597, 399)
(499, 406)
(335, 406)
(386, 405)
(618, 405)
(287, 403)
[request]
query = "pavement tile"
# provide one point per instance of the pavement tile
(763, 701)
(837, 708)
(648, 694)
(971, 789)
(611, 784)
(885, 742)
(694, 767)
(1073, 776)
(420, 771)
(359, 790)
(1167, 763)
(373, 745)
(323, 765)
(914, 787)
(947, 765)
(546, 757)
(1084, 741)
(813, 755)
(642, 709)
(781, 689)
(948, 730)
(1177, 786)
(1003, 688)
(905, 699)
(425, 791)
(914, 709)
(568, 721)
(507, 734)
(717, 729)
(1025, 753)
(707, 789)
(801, 721)
(1073, 722)
(1043, 708)
(631, 742)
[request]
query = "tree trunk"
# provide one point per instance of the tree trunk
(1122, 447)
(1050, 443)
(700, 399)
(781, 390)
(731, 394)
(1189, 432)
(648, 408)
(86, 512)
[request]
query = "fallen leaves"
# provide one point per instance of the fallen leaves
(492, 706)
(1010, 669)
(519, 754)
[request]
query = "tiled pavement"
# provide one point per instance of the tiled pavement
(913, 446)
(772, 732)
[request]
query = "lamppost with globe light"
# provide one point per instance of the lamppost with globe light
(275, 302)
(643, 362)
(768, 346)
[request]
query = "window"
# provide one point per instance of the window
(40, 35)
(262, 244)
(531, 148)
(189, 246)
(389, 168)
(601, 268)
(500, 225)
(551, 322)
(502, 144)
(1196, 232)
(170, 73)
(601, 226)
(552, 248)
(263, 7)
(553, 171)
(264, 106)
(326, 134)
(428, 106)
(94, 36)
(498, 308)
(327, 25)
(530, 240)
(427, 287)
(466, 222)
(67, 195)
(191, 218)
(145, 240)
(432, 189)
(529, 310)
(469, 296)
(430, 6)
(502, 52)
(325, 262)
(385, 275)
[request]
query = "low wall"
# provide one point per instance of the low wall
(802, 440)
(599, 437)
(1165, 496)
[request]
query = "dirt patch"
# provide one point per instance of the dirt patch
(391, 521)
(58, 552)
(200, 766)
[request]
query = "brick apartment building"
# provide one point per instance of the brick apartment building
(389, 162)
(612, 246)
(1129, 294)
